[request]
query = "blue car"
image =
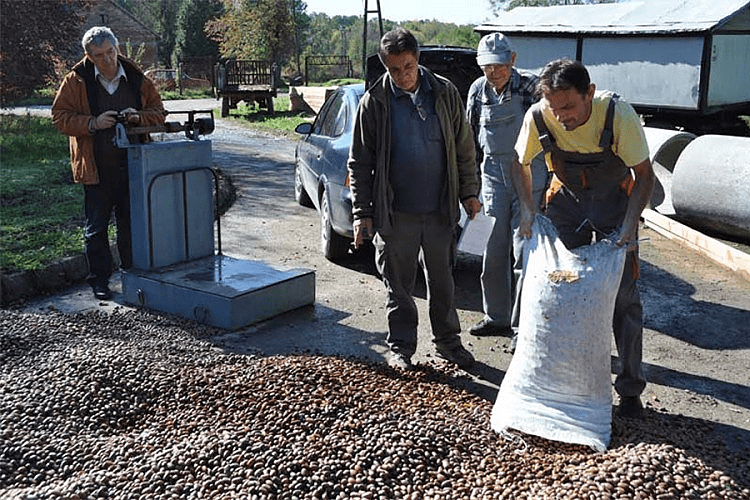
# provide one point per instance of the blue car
(321, 178)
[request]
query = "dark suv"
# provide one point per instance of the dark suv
(457, 64)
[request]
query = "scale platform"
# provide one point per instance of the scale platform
(220, 291)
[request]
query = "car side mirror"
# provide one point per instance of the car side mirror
(304, 128)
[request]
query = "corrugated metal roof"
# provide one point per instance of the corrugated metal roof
(649, 16)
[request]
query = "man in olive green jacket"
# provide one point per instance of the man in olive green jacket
(412, 161)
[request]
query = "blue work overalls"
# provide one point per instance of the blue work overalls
(498, 128)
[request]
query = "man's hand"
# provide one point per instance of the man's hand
(362, 230)
(525, 222)
(629, 237)
(472, 206)
(105, 120)
(521, 177)
(109, 118)
(131, 115)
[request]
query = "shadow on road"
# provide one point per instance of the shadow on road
(669, 308)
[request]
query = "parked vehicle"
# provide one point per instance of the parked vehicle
(458, 64)
(320, 174)
(245, 80)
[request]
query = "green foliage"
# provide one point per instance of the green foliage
(437, 33)
(340, 81)
(343, 35)
(134, 53)
(175, 95)
(190, 41)
(161, 17)
(254, 29)
(41, 210)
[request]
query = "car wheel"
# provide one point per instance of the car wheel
(300, 195)
(334, 245)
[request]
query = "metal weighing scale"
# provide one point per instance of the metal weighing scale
(176, 267)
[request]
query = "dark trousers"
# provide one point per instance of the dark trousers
(415, 238)
(101, 200)
(578, 219)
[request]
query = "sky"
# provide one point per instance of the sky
(472, 12)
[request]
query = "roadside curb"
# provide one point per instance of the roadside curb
(24, 285)
(20, 286)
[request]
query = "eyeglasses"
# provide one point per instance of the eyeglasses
(491, 68)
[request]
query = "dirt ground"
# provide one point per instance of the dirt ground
(697, 313)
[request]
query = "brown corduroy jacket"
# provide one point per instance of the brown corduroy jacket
(72, 111)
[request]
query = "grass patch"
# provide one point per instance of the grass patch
(41, 209)
(282, 122)
(174, 95)
(341, 81)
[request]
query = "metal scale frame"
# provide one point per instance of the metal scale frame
(178, 267)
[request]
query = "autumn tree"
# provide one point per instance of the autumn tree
(35, 46)
(255, 29)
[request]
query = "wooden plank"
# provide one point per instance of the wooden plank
(720, 252)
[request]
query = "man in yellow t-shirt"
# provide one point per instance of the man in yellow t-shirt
(603, 179)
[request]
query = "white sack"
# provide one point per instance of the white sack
(558, 385)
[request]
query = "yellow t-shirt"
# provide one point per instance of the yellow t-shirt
(629, 139)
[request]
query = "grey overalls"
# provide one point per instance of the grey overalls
(588, 198)
(498, 128)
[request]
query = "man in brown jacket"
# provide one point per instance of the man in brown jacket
(101, 89)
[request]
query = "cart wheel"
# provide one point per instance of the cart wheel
(224, 107)
(269, 105)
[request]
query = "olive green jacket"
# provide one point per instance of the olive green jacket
(369, 155)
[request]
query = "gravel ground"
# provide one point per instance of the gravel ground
(134, 405)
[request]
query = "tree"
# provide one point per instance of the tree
(255, 29)
(161, 17)
(301, 25)
(439, 33)
(33, 33)
(190, 40)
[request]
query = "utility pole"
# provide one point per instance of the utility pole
(364, 33)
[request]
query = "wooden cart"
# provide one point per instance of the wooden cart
(245, 80)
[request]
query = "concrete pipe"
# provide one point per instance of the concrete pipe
(664, 148)
(711, 187)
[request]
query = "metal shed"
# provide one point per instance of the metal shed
(682, 63)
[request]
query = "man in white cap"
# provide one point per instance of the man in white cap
(495, 108)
